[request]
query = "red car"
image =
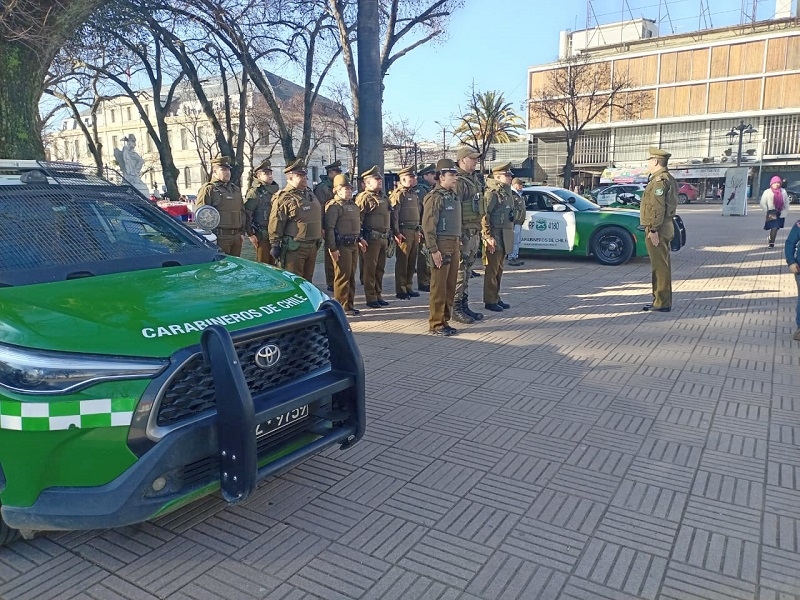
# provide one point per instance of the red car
(687, 193)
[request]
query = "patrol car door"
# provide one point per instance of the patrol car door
(549, 223)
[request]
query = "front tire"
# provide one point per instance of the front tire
(612, 246)
(683, 199)
(7, 534)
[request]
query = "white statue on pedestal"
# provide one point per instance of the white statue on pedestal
(130, 163)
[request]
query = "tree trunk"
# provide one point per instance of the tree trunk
(568, 163)
(370, 120)
(23, 76)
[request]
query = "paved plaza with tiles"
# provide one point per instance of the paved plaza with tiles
(571, 447)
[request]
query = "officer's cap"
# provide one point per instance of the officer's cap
(334, 166)
(296, 166)
(658, 152)
(500, 169)
(431, 168)
(445, 165)
(341, 181)
(221, 161)
(407, 171)
(373, 172)
(467, 151)
(265, 165)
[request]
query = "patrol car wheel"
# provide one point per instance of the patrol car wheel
(683, 199)
(7, 535)
(612, 246)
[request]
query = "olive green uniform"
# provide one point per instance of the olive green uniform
(295, 224)
(375, 221)
(258, 205)
(659, 205)
(423, 270)
(342, 231)
(324, 193)
(441, 227)
(227, 199)
(497, 222)
(469, 191)
(405, 220)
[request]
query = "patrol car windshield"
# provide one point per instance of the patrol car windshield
(54, 229)
(578, 202)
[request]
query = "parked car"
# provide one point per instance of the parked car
(621, 194)
(592, 194)
(794, 194)
(561, 222)
(687, 193)
(141, 368)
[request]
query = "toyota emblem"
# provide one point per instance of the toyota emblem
(267, 356)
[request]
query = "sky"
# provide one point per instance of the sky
(493, 42)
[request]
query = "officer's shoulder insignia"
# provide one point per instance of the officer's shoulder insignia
(659, 191)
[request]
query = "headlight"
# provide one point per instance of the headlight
(42, 372)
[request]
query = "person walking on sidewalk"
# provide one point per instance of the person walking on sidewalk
(792, 251)
(775, 204)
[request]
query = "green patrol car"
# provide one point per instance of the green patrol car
(559, 221)
(140, 368)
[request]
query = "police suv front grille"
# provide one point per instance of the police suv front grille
(191, 391)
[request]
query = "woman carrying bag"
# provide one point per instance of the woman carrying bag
(775, 203)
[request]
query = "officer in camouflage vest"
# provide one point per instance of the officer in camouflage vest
(295, 223)
(324, 193)
(343, 240)
(426, 180)
(375, 224)
(469, 192)
(497, 231)
(406, 231)
(258, 205)
(226, 197)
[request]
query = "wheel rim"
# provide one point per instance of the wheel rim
(683, 198)
(610, 247)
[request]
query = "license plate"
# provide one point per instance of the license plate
(276, 423)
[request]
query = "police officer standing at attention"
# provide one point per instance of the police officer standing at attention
(519, 221)
(324, 193)
(469, 192)
(343, 240)
(497, 231)
(226, 197)
(258, 205)
(375, 224)
(295, 223)
(426, 180)
(441, 228)
(406, 231)
(659, 204)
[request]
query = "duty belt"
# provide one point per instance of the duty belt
(378, 235)
(410, 225)
(470, 230)
(222, 230)
(346, 240)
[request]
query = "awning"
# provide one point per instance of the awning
(700, 172)
(624, 175)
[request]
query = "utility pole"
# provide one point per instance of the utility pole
(370, 94)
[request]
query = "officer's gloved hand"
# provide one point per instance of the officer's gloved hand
(275, 252)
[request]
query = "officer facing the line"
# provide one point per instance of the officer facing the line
(226, 197)
(441, 228)
(659, 204)
(295, 223)
(342, 240)
(375, 223)
(406, 231)
(497, 231)
(258, 205)
(324, 193)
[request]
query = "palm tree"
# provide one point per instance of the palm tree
(489, 119)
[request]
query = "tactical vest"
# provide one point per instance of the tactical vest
(378, 218)
(408, 208)
(263, 193)
(470, 200)
(349, 221)
(502, 215)
(450, 215)
(305, 216)
(227, 198)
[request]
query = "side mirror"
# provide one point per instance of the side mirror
(559, 208)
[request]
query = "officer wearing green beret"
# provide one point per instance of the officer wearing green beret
(295, 223)
(343, 240)
(406, 231)
(324, 193)
(257, 205)
(658, 206)
(470, 193)
(426, 180)
(497, 232)
(224, 195)
(376, 228)
(441, 229)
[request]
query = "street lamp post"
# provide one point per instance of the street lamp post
(739, 132)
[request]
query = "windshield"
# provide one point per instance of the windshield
(578, 202)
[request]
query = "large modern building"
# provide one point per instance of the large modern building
(699, 89)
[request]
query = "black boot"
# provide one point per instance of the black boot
(467, 310)
(459, 315)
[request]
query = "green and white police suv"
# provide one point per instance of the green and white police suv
(140, 368)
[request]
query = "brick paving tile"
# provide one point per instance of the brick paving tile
(573, 447)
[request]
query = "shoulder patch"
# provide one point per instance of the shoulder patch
(659, 191)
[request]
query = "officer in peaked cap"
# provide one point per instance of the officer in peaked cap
(324, 193)
(519, 220)
(224, 195)
(376, 230)
(295, 223)
(406, 231)
(497, 233)
(659, 205)
(470, 193)
(343, 240)
(258, 205)
(426, 180)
